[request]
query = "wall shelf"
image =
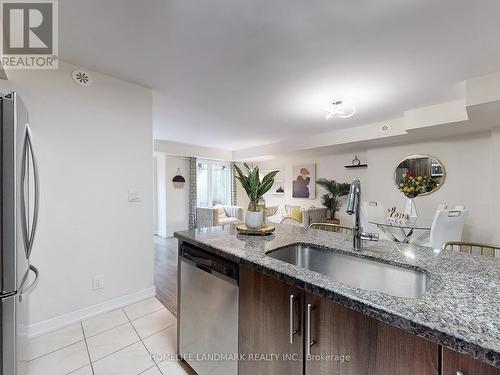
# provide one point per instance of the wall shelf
(356, 166)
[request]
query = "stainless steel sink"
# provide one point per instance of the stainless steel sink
(355, 271)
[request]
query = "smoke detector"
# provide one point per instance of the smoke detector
(82, 77)
(385, 128)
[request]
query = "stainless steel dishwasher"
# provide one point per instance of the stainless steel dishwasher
(208, 312)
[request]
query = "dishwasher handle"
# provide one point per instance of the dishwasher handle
(209, 262)
(199, 261)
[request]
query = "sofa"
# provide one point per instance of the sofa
(210, 217)
(283, 214)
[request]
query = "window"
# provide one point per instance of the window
(213, 181)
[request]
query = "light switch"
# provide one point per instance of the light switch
(98, 282)
(135, 195)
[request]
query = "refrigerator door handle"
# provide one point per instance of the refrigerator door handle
(24, 208)
(25, 292)
(28, 231)
(36, 208)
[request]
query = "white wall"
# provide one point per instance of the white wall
(177, 197)
(495, 162)
(93, 144)
(185, 150)
(173, 207)
(161, 194)
(468, 162)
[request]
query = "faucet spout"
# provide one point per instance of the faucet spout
(354, 194)
(353, 208)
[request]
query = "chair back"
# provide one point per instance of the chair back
(233, 211)
(371, 210)
(472, 248)
(374, 209)
(448, 225)
(331, 228)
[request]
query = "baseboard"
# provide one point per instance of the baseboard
(65, 320)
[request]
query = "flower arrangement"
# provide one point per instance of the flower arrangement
(412, 186)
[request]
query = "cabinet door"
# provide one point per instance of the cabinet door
(265, 310)
(459, 364)
(349, 343)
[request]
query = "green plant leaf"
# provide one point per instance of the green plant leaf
(334, 191)
(251, 183)
(344, 188)
(267, 183)
(244, 180)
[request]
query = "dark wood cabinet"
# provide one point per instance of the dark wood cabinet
(459, 364)
(345, 342)
(264, 325)
(349, 343)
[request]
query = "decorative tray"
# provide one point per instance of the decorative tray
(264, 231)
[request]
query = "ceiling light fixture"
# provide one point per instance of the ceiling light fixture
(340, 110)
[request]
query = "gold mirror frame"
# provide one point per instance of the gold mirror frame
(443, 177)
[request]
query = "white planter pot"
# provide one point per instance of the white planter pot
(254, 220)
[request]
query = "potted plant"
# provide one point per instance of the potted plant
(331, 199)
(255, 217)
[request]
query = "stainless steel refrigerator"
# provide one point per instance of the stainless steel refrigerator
(19, 203)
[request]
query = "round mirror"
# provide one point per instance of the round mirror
(419, 175)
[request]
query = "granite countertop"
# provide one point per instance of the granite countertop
(460, 308)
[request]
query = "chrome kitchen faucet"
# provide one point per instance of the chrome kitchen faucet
(353, 208)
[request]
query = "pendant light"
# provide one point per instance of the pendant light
(178, 178)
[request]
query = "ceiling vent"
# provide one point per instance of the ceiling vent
(81, 77)
(385, 128)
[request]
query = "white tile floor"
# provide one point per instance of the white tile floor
(125, 341)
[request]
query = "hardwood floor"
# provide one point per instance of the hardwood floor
(165, 277)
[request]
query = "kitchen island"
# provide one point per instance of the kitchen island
(457, 317)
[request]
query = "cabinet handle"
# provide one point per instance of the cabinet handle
(309, 341)
(292, 331)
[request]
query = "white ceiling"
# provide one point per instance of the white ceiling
(236, 74)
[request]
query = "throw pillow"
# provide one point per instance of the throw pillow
(296, 214)
(277, 216)
(289, 209)
(222, 213)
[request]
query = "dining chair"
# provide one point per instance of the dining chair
(331, 227)
(373, 209)
(369, 210)
(448, 225)
(424, 237)
(472, 248)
